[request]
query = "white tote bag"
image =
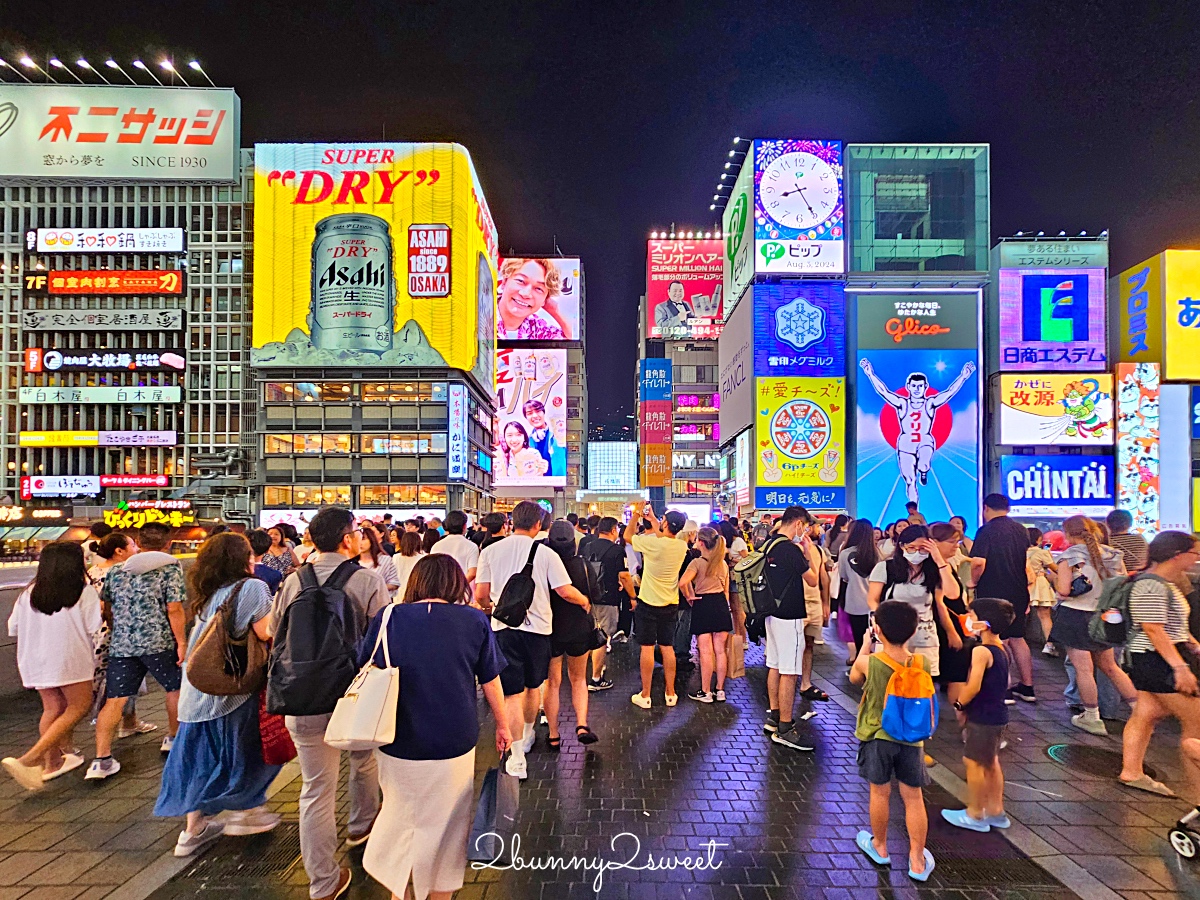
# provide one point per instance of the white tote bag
(365, 717)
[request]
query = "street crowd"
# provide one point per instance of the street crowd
(258, 647)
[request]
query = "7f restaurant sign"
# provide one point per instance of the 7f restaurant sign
(111, 132)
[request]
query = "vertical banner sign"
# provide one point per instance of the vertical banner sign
(741, 468)
(918, 405)
(1053, 318)
(800, 329)
(800, 431)
(1140, 311)
(1195, 412)
(683, 289)
(456, 446)
(1138, 399)
(735, 367)
(654, 428)
(737, 226)
(531, 418)
(1181, 319)
(1175, 457)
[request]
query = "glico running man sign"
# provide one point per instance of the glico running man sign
(918, 404)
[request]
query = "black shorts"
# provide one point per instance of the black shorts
(125, 673)
(1151, 673)
(981, 743)
(571, 647)
(1017, 628)
(528, 656)
(880, 761)
(655, 624)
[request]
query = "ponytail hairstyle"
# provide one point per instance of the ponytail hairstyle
(1077, 527)
(713, 543)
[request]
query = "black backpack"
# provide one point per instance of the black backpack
(512, 609)
(595, 569)
(315, 654)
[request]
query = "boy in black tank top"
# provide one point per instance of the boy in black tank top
(981, 700)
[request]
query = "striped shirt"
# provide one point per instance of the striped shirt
(1155, 602)
(1134, 548)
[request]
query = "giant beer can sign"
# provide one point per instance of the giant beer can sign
(372, 255)
(353, 289)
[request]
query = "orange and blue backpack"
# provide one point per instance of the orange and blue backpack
(910, 708)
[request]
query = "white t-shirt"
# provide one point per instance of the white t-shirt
(738, 548)
(465, 553)
(503, 559)
(404, 566)
(916, 596)
(1080, 561)
(55, 650)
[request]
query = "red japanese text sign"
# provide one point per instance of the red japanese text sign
(119, 132)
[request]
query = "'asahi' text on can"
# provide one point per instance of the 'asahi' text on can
(353, 287)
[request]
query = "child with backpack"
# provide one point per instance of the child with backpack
(981, 700)
(896, 713)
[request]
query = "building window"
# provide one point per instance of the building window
(387, 495)
(306, 391)
(299, 495)
(308, 443)
(403, 443)
(404, 392)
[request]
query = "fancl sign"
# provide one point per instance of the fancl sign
(1058, 485)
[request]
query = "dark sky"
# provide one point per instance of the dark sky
(597, 122)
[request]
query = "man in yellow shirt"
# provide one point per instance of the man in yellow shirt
(663, 549)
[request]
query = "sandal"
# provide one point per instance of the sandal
(1149, 785)
(554, 743)
(814, 693)
(585, 735)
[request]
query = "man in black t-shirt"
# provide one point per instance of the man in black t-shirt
(787, 571)
(998, 570)
(604, 552)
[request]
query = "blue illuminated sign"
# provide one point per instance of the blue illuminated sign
(808, 497)
(655, 379)
(1058, 485)
(800, 329)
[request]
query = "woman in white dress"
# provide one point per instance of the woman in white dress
(405, 559)
(53, 621)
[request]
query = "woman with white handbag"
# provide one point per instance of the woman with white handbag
(441, 647)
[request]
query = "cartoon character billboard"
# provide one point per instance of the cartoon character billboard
(1138, 388)
(1042, 410)
(918, 404)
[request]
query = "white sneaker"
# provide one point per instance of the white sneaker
(250, 821)
(191, 843)
(720, 696)
(639, 700)
(98, 771)
(28, 777)
(71, 762)
(140, 728)
(528, 741)
(672, 699)
(167, 744)
(517, 767)
(1091, 726)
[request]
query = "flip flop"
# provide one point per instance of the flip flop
(1149, 785)
(867, 845)
(929, 867)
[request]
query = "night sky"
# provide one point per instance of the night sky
(592, 124)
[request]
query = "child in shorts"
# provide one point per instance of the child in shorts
(982, 703)
(882, 758)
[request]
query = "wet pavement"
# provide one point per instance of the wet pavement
(783, 822)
